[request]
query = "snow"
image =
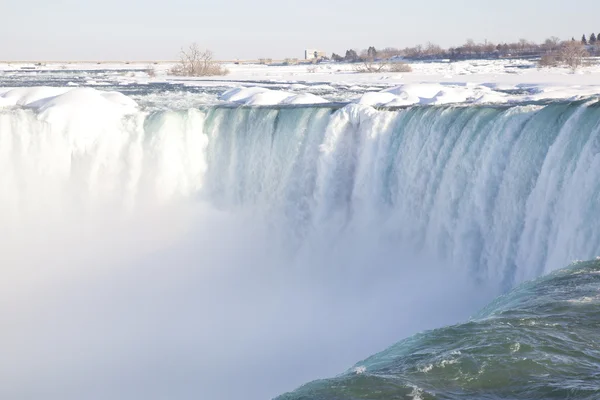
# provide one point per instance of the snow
(64, 104)
(258, 96)
(26, 96)
(241, 94)
(268, 98)
(307, 98)
(377, 98)
(476, 82)
(428, 93)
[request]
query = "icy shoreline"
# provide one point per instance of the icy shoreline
(468, 82)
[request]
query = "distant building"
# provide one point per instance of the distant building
(312, 54)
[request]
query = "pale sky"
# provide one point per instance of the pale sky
(157, 29)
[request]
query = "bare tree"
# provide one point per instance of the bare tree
(469, 46)
(551, 59)
(151, 71)
(432, 50)
(570, 53)
(523, 44)
(551, 44)
(573, 54)
(399, 67)
(371, 66)
(390, 52)
(196, 62)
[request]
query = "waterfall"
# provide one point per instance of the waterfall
(507, 192)
(172, 253)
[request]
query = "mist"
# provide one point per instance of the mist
(187, 301)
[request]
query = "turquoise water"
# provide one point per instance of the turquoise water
(540, 341)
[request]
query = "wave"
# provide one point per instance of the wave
(537, 342)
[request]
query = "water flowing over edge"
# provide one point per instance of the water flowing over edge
(502, 194)
(508, 193)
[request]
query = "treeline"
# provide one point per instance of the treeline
(472, 50)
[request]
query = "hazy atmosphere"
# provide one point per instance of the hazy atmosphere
(155, 30)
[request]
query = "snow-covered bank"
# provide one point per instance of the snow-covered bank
(43, 98)
(80, 99)
(477, 82)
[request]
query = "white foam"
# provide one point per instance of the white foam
(360, 370)
(585, 300)
(417, 393)
(426, 368)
